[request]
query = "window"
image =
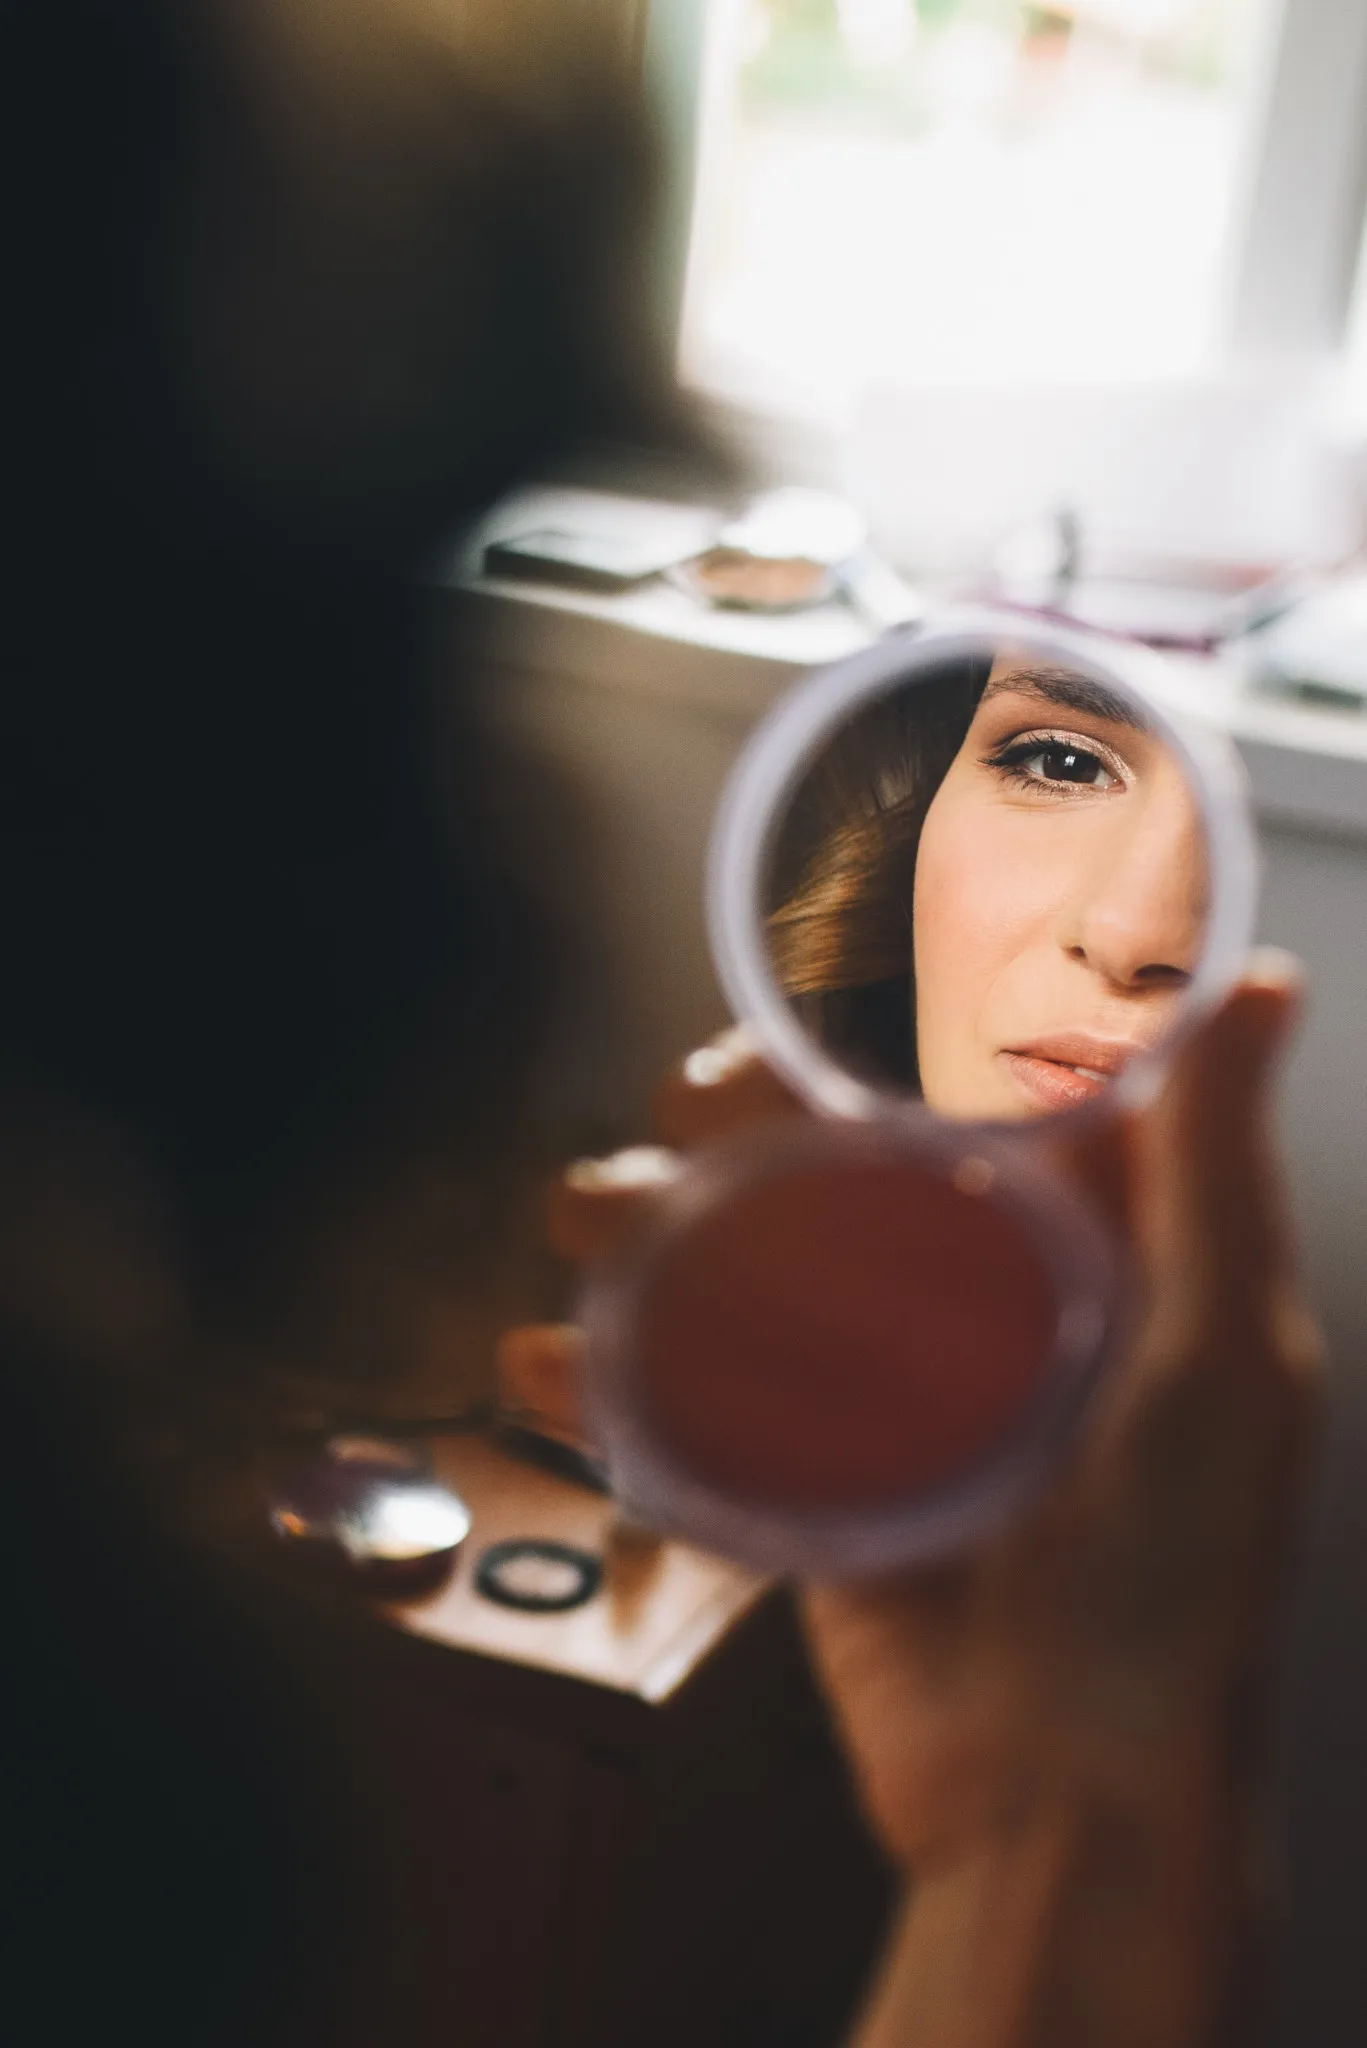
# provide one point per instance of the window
(930, 189)
(893, 198)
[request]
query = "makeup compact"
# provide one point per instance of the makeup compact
(967, 889)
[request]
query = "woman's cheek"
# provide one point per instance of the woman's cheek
(962, 938)
(980, 893)
(989, 885)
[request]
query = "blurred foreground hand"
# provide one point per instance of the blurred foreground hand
(1062, 1733)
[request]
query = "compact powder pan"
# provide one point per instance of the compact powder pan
(839, 1349)
(784, 1354)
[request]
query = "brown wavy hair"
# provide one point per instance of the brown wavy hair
(839, 902)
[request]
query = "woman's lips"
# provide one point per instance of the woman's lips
(1066, 1070)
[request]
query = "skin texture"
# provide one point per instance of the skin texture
(1060, 900)
(1062, 1734)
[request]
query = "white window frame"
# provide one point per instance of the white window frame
(1297, 231)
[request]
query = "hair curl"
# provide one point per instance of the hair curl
(839, 902)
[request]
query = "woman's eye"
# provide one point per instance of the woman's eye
(1070, 764)
(1060, 761)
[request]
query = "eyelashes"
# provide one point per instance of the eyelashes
(1059, 764)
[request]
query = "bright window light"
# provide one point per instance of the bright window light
(924, 191)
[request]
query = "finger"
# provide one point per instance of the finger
(540, 1372)
(597, 1205)
(1203, 1454)
(1210, 1220)
(720, 1088)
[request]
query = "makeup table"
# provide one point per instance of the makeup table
(652, 1834)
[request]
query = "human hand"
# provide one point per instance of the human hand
(1112, 1644)
(1106, 1653)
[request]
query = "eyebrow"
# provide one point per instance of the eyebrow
(1068, 690)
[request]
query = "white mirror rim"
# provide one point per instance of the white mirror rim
(783, 747)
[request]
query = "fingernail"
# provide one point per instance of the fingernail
(1273, 967)
(714, 1063)
(639, 1166)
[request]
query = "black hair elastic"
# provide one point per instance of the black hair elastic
(537, 1576)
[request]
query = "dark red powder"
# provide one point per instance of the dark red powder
(844, 1335)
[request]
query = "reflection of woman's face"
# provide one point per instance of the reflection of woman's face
(1060, 899)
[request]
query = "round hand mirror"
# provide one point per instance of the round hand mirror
(967, 889)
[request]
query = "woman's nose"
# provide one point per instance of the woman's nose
(1140, 917)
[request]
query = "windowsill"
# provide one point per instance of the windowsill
(1307, 767)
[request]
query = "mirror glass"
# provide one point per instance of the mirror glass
(989, 887)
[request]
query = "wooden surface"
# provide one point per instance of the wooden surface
(627, 1826)
(662, 1609)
